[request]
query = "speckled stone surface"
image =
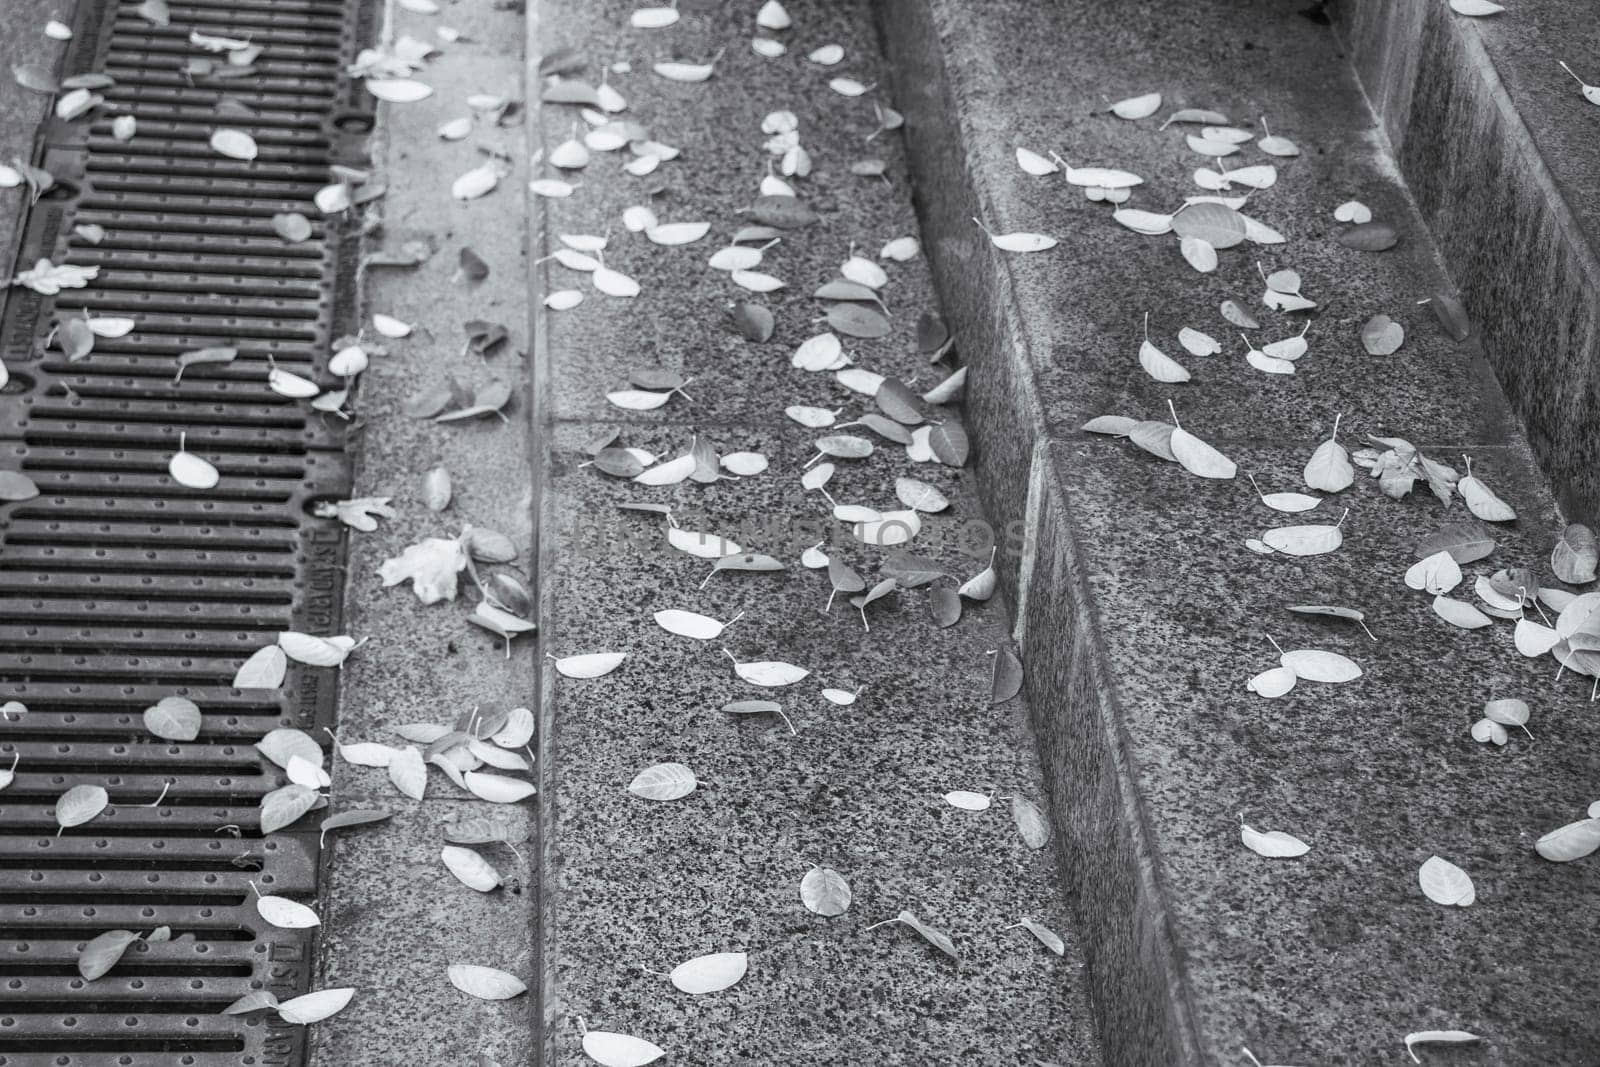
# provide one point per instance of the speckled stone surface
(22, 40)
(1145, 614)
(634, 887)
(1498, 146)
(394, 917)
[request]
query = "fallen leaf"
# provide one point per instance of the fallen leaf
(103, 953)
(1571, 842)
(1274, 844)
(590, 665)
(1315, 665)
(1030, 822)
(1445, 883)
(470, 868)
(663, 781)
(173, 718)
(825, 892)
(620, 1050)
(1006, 682)
(314, 1007)
(711, 973)
(485, 983)
(285, 913)
(1443, 1037)
(1575, 555)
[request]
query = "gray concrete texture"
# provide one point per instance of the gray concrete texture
(395, 917)
(1497, 144)
(1145, 613)
(22, 40)
(634, 887)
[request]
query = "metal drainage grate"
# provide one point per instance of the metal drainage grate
(119, 587)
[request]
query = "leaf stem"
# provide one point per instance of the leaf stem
(885, 922)
(1274, 643)
(1575, 78)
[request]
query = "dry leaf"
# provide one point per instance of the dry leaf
(470, 868)
(80, 804)
(1571, 842)
(710, 974)
(1273, 683)
(1445, 883)
(825, 892)
(1442, 1037)
(314, 1007)
(1575, 555)
(1274, 844)
(663, 781)
(590, 665)
(103, 953)
(1030, 822)
(1315, 665)
(485, 983)
(1438, 574)
(620, 1050)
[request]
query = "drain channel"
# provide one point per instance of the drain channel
(118, 586)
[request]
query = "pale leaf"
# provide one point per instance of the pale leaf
(1030, 821)
(470, 868)
(824, 891)
(1274, 844)
(103, 952)
(1438, 1037)
(173, 718)
(1312, 540)
(1437, 574)
(285, 913)
(710, 974)
(663, 781)
(497, 788)
(590, 665)
(408, 772)
(967, 800)
(1460, 613)
(620, 1050)
(485, 983)
(689, 624)
(1445, 883)
(1273, 683)
(314, 1007)
(1315, 665)
(1570, 842)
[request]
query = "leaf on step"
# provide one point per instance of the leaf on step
(1465, 541)
(1274, 844)
(1575, 555)
(825, 892)
(1445, 883)
(711, 973)
(620, 1050)
(1006, 681)
(1443, 1037)
(485, 983)
(1030, 822)
(1316, 665)
(663, 781)
(1570, 842)
(1369, 237)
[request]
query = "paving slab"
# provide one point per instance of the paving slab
(22, 40)
(1497, 144)
(395, 917)
(1143, 611)
(635, 887)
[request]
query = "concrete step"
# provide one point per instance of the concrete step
(1142, 613)
(1497, 146)
(633, 887)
